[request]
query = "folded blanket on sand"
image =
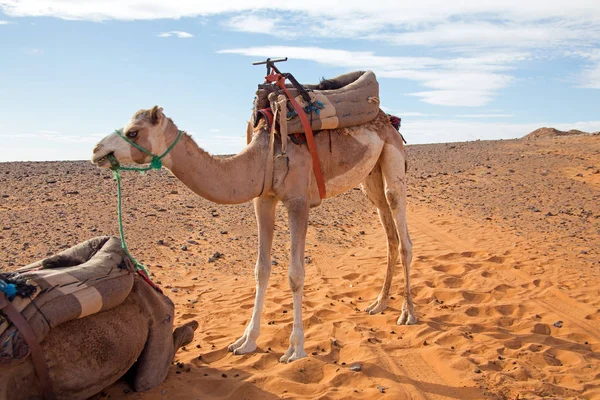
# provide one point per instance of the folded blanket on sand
(88, 278)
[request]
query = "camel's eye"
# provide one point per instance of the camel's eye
(132, 134)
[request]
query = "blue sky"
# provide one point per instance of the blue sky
(73, 71)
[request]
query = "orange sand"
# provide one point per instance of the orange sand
(490, 276)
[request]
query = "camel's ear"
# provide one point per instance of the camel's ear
(156, 115)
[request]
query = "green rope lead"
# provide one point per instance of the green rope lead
(136, 263)
(116, 169)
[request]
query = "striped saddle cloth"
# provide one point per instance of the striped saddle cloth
(88, 278)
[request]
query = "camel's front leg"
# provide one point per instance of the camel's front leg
(298, 221)
(264, 208)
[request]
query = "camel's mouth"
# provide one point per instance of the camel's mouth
(102, 161)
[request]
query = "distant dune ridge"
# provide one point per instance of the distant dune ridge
(553, 132)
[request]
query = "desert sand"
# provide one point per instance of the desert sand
(505, 275)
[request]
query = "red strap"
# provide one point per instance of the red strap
(268, 114)
(310, 139)
(37, 355)
(149, 281)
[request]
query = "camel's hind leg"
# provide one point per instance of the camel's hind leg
(393, 168)
(264, 208)
(374, 189)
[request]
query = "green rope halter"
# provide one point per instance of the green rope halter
(116, 168)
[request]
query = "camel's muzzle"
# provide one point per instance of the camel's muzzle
(102, 161)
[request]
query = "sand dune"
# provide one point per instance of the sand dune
(505, 276)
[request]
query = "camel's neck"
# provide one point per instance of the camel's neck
(231, 180)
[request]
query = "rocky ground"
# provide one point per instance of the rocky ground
(505, 275)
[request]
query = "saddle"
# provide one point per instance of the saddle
(346, 100)
(91, 277)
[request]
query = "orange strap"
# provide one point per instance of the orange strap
(310, 139)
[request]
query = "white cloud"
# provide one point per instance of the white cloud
(354, 11)
(34, 52)
(536, 27)
(3, 22)
(179, 34)
(590, 77)
(477, 34)
(412, 114)
(485, 115)
(253, 24)
(461, 81)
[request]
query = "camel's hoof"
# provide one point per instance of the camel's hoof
(244, 349)
(296, 355)
(377, 307)
(407, 318)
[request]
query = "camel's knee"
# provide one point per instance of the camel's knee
(395, 198)
(262, 272)
(406, 252)
(296, 280)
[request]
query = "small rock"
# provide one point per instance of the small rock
(355, 368)
(381, 388)
(558, 324)
(224, 375)
(174, 192)
(223, 232)
(274, 262)
(174, 290)
(477, 371)
(184, 247)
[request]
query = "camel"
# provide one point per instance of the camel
(371, 154)
(86, 355)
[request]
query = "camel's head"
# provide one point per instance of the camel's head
(146, 128)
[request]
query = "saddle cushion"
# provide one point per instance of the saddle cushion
(346, 100)
(88, 278)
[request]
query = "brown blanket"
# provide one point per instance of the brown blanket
(88, 278)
